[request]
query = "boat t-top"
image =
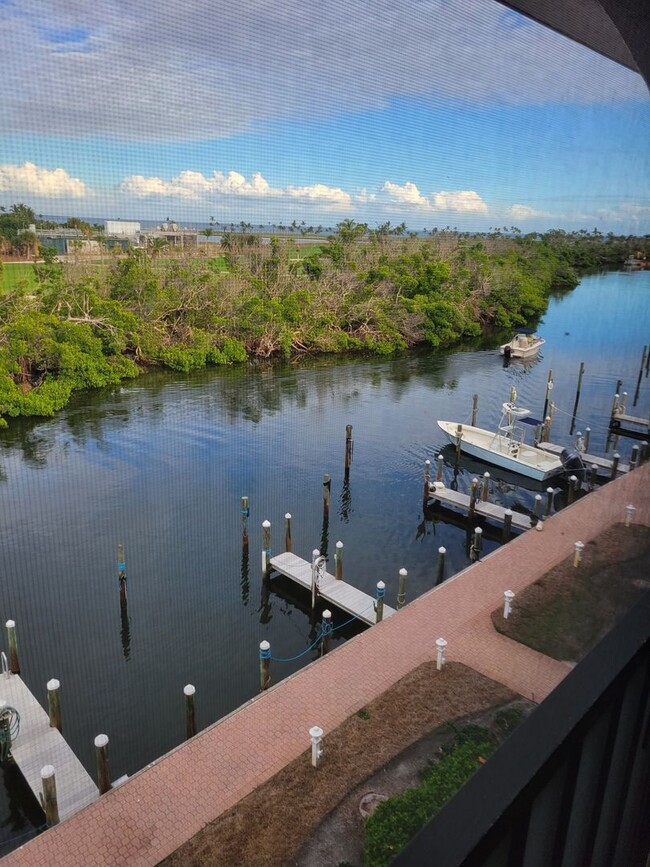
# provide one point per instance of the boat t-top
(507, 447)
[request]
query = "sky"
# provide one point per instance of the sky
(434, 113)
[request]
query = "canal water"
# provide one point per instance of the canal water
(160, 464)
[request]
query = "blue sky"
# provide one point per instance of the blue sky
(432, 112)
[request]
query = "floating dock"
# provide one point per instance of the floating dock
(338, 593)
(437, 491)
(619, 419)
(38, 745)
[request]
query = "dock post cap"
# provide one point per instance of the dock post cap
(427, 462)
(486, 475)
(10, 624)
(266, 524)
(339, 544)
(315, 732)
(550, 490)
(189, 689)
(539, 526)
(403, 571)
(438, 485)
(53, 684)
(101, 741)
(442, 550)
(508, 512)
(315, 553)
(288, 516)
(381, 585)
(264, 645)
(47, 771)
(327, 614)
(478, 530)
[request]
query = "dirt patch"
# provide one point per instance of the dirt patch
(566, 612)
(272, 824)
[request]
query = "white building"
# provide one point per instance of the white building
(121, 228)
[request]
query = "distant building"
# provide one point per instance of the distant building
(122, 228)
(175, 235)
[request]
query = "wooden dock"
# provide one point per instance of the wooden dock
(619, 419)
(437, 491)
(338, 593)
(38, 745)
(589, 460)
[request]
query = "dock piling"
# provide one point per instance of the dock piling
(587, 438)
(121, 572)
(634, 458)
(537, 508)
(338, 557)
(103, 772)
(317, 564)
(287, 532)
(440, 569)
(379, 604)
(440, 652)
(549, 388)
(50, 801)
(401, 589)
(427, 481)
(326, 629)
(459, 436)
(644, 453)
(577, 555)
(577, 400)
(54, 704)
(12, 642)
(266, 549)
(474, 409)
(508, 596)
(327, 488)
(485, 493)
(265, 665)
(507, 525)
(477, 543)
(441, 461)
(472, 500)
(549, 502)
(593, 476)
(348, 447)
(615, 459)
(189, 691)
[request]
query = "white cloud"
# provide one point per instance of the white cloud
(145, 72)
(460, 201)
(408, 194)
(37, 181)
(332, 196)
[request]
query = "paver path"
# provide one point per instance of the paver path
(158, 809)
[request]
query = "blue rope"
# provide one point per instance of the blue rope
(293, 658)
(354, 617)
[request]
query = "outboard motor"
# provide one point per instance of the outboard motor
(507, 351)
(573, 464)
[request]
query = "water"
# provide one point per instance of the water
(160, 464)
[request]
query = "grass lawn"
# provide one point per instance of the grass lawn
(570, 609)
(14, 272)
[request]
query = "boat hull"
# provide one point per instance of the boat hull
(485, 445)
(519, 351)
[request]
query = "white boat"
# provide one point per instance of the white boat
(525, 344)
(507, 447)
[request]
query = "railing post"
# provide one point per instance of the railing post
(440, 652)
(316, 736)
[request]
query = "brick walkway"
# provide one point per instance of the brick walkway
(159, 808)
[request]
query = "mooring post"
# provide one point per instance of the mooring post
(546, 429)
(427, 480)
(507, 525)
(379, 604)
(549, 388)
(50, 802)
(551, 413)
(508, 596)
(245, 514)
(537, 508)
(326, 629)
(103, 772)
(571, 492)
(348, 446)
(477, 542)
(338, 557)
(615, 459)
(549, 501)
(441, 461)
(587, 437)
(287, 532)
(459, 436)
(615, 405)
(472, 500)
(121, 572)
(623, 404)
(474, 409)
(640, 376)
(440, 652)
(593, 476)
(266, 549)
(327, 487)
(634, 457)
(577, 400)
(577, 556)
(316, 735)
(629, 514)
(580, 442)
(12, 643)
(486, 487)
(189, 691)
(265, 665)
(644, 453)
(315, 557)
(440, 571)
(54, 704)
(401, 589)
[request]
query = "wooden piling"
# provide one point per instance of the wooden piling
(537, 508)
(474, 409)
(507, 525)
(12, 642)
(459, 436)
(640, 376)
(440, 569)
(644, 454)
(190, 711)
(348, 446)
(401, 589)
(245, 513)
(615, 405)
(634, 459)
(103, 772)
(379, 604)
(477, 543)
(587, 437)
(50, 801)
(316, 562)
(54, 704)
(327, 487)
(549, 501)
(577, 400)
(121, 572)
(485, 493)
(266, 549)
(593, 476)
(472, 499)
(287, 532)
(441, 461)
(338, 557)
(265, 665)
(615, 459)
(623, 404)
(427, 480)
(326, 631)
(571, 492)
(549, 388)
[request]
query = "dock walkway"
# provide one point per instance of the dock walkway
(437, 491)
(38, 745)
(338, 593)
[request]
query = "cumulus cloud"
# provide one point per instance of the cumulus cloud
(525, 212)
(194, 185)
(145, 74)
(456, 201)
(35, 180)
